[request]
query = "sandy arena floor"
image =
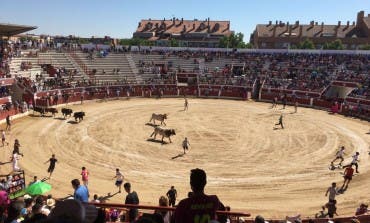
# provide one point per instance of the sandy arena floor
(251, 166)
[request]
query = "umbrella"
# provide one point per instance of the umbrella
(38, 188)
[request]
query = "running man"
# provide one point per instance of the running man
(3, 140)
(8, 123)
(339, 155)
(119, 180)
(185, 144)
(332, 191)
(186, 104)
(348, 173)
(85, 176)
(52, 162)
(355, 160)
(280, 121)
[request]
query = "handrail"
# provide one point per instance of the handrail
(161, 208)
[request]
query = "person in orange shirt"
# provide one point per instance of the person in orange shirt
(348, 174)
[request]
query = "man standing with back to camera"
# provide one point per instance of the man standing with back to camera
(199, 207)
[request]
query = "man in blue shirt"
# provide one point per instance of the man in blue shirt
(81, 192)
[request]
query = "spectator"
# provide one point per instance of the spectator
(166, 215)
(362, 209)
(85, 176)
(96, 199)
(14, 212)
(37, 214)
(207, 205)
(332, 209)
(81, 192)
(321, 214)
(172, 195)
(131, 198)
(260, 219)
(50, 202)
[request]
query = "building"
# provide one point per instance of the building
(188, 33)
(284, 35)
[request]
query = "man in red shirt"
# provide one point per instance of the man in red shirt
(199, 207)
(348, 173)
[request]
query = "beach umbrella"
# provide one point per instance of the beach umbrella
(38, 188)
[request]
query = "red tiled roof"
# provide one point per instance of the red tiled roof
(185, 26)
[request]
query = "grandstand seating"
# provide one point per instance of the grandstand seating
(302, 77)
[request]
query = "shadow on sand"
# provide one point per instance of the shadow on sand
(151, 124)
(178, 156)
(275, 128)
(72, 122)
(156, 141)
(60, 118)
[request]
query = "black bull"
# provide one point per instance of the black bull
(79, 116)
(66, 112)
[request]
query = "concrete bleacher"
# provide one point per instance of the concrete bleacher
(56, 59)
(107, 64)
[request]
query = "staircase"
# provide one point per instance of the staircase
(134, 69)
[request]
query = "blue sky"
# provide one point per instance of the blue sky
(119, 18)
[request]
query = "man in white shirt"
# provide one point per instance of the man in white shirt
(339, 155)
(355, 160)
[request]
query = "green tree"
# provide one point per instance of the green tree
(233, 41)
(306, 44)
(366, 47)
(335, 45)
(174, 42)
(136, 42)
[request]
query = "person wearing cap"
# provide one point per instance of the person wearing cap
(50, 202)
(81, 192)
(206, 205)
(131, 198)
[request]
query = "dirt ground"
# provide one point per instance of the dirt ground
(250, 165)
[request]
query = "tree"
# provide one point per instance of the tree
(366, 47)
(174, 42)
(306, 44)
(233, 41)
(335, 45)
(136, 42)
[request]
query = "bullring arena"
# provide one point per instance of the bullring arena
(251, 165)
